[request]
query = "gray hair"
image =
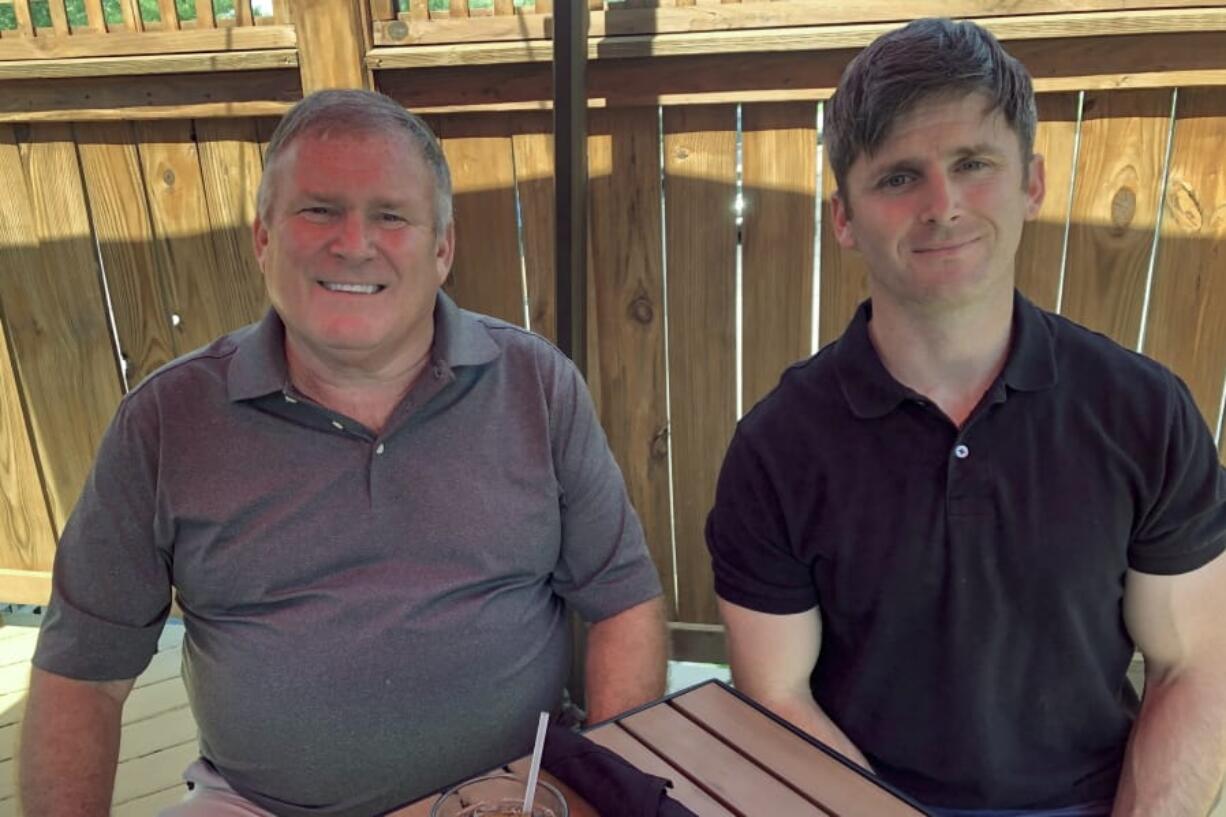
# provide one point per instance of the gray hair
(353, 111)
(928, 57)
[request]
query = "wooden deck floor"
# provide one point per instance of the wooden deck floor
(159, 733)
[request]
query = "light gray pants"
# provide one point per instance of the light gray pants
(211, 796)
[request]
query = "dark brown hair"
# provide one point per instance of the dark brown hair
(926, 58)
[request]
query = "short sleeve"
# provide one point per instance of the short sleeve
(110, 586)
(752, 557)
(604, 566)
(1183, 523)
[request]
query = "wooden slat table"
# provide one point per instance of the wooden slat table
(729, 757)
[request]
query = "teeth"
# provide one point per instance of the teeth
(359, 289)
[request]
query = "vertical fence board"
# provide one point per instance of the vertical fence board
(1123, 144)
(779, 180)
(199, 291)
(1040, 253)
(132, 21)
(95, 16)
(1186, 328)
(486, 276)
(59, 17)
(204, 14)
(27, 539)
(628, 317)
(230, 165)
(699, 190)
(264, 127)
(60, 336)
(169, 15)
(844, 275)
(21, 13)
(120, 214)
(242, 13)
(532, 145)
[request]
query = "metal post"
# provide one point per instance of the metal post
(570, 176)
(570, 19)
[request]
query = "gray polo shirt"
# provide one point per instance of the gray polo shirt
(368, 616)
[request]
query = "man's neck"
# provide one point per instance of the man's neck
(368, 394)
(952, 356)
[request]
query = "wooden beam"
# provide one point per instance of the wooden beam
(332, 38)
(151, 65)
(808, 38)
(176, 96)
(739, 16)
(124, 43)
(25, 586)
(1081, 63)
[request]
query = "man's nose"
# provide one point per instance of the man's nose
(353, 239)
(940, 203)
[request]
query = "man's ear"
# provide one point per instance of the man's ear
(1036, 185)
(444, 252)
(259, 240)
(841, 214)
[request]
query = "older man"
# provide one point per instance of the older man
(990, 504)
(374, 508)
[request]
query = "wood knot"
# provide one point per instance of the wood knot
(682, 153)
(1185, 208)
(168, 176)
(641, 310)
(659, 443)
(397, 30)
(1123, 208)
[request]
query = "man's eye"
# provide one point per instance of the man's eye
(391, 218)
(317, 211)
(973, 164)
(895, 180)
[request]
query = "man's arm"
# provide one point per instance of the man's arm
(1176, 756)
(627, 660)
(772, 657)
(70, 745)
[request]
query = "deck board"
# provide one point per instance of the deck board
(158, 737)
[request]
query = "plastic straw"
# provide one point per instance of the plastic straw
(535, 768)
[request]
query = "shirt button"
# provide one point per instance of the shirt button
(289, 399)
(338, 426)
(961, 452)
(379, 448)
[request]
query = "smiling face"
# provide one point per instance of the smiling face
(350, 256)
(937, 210)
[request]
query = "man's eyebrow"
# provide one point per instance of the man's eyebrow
(913, 165)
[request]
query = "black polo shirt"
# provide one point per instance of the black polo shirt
(970, 580)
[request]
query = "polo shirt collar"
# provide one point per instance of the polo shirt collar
(259, 368)
(872, 392)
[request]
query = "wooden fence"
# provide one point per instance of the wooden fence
(124, 240)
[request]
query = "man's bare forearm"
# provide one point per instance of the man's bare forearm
(69, 746)
(1176, 756)
(802, 711)
(627, 660)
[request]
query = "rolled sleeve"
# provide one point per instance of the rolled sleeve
(1184, 523)
(751, 555)
(604, 566)
(110, 585)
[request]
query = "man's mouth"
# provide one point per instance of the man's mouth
(352, 289)
(946, 247)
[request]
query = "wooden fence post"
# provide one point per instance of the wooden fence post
(333, 38)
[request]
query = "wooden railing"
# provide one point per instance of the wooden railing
(83, 28)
